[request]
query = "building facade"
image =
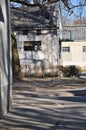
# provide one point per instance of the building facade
(38, 53)
(73, 46)
(37, 35)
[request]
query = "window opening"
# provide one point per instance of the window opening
(66, 49)
(84, 48)
(25, 32)
(32, 45)
(38, 32)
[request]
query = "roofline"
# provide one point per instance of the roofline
(28, 28)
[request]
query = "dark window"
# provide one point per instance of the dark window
(66, 49)
(27, 46)
(32, 45)
(25, 32)
(84, 48)
(38, 32)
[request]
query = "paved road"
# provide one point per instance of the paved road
(46, 109)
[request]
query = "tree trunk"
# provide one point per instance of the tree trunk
(15, 56)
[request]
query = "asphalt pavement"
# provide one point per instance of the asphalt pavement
(46, 109)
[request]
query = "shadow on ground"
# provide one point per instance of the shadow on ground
(50, 83)
(38, 105)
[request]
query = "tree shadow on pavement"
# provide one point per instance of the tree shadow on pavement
(36, 106)
(49, 83)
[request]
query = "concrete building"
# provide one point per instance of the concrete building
(74, 53)
(73, 46)
(37, 34)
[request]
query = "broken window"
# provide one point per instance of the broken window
(32, 45)
(38, 32)
(25, 32)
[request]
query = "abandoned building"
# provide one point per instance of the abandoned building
(37, 32)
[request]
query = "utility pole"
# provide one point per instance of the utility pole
(5, 58)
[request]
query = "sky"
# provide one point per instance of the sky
(76, 13)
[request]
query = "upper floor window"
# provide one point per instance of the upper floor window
(25, 32)
(84, 48)
(38, 32)
(66, 49)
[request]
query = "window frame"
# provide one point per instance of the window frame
(66, 49)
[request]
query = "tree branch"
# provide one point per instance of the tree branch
(37, 3)
(25, 2)
(80, 5)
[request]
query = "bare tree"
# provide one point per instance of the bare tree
(37, 2)
(15, 56)
(76, 8)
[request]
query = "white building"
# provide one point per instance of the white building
(73, 48)
(37, 39)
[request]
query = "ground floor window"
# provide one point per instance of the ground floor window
(66, 49)
(32, 45)
(84, 48)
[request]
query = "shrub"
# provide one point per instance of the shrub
(73, 71)
(69, 71)
(60, 71)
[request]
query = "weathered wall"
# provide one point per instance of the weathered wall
(5, 61)
(46, 59)
(76, 56)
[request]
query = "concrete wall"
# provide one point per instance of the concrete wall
(76, 56)
(48, 55)
(5, 61)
